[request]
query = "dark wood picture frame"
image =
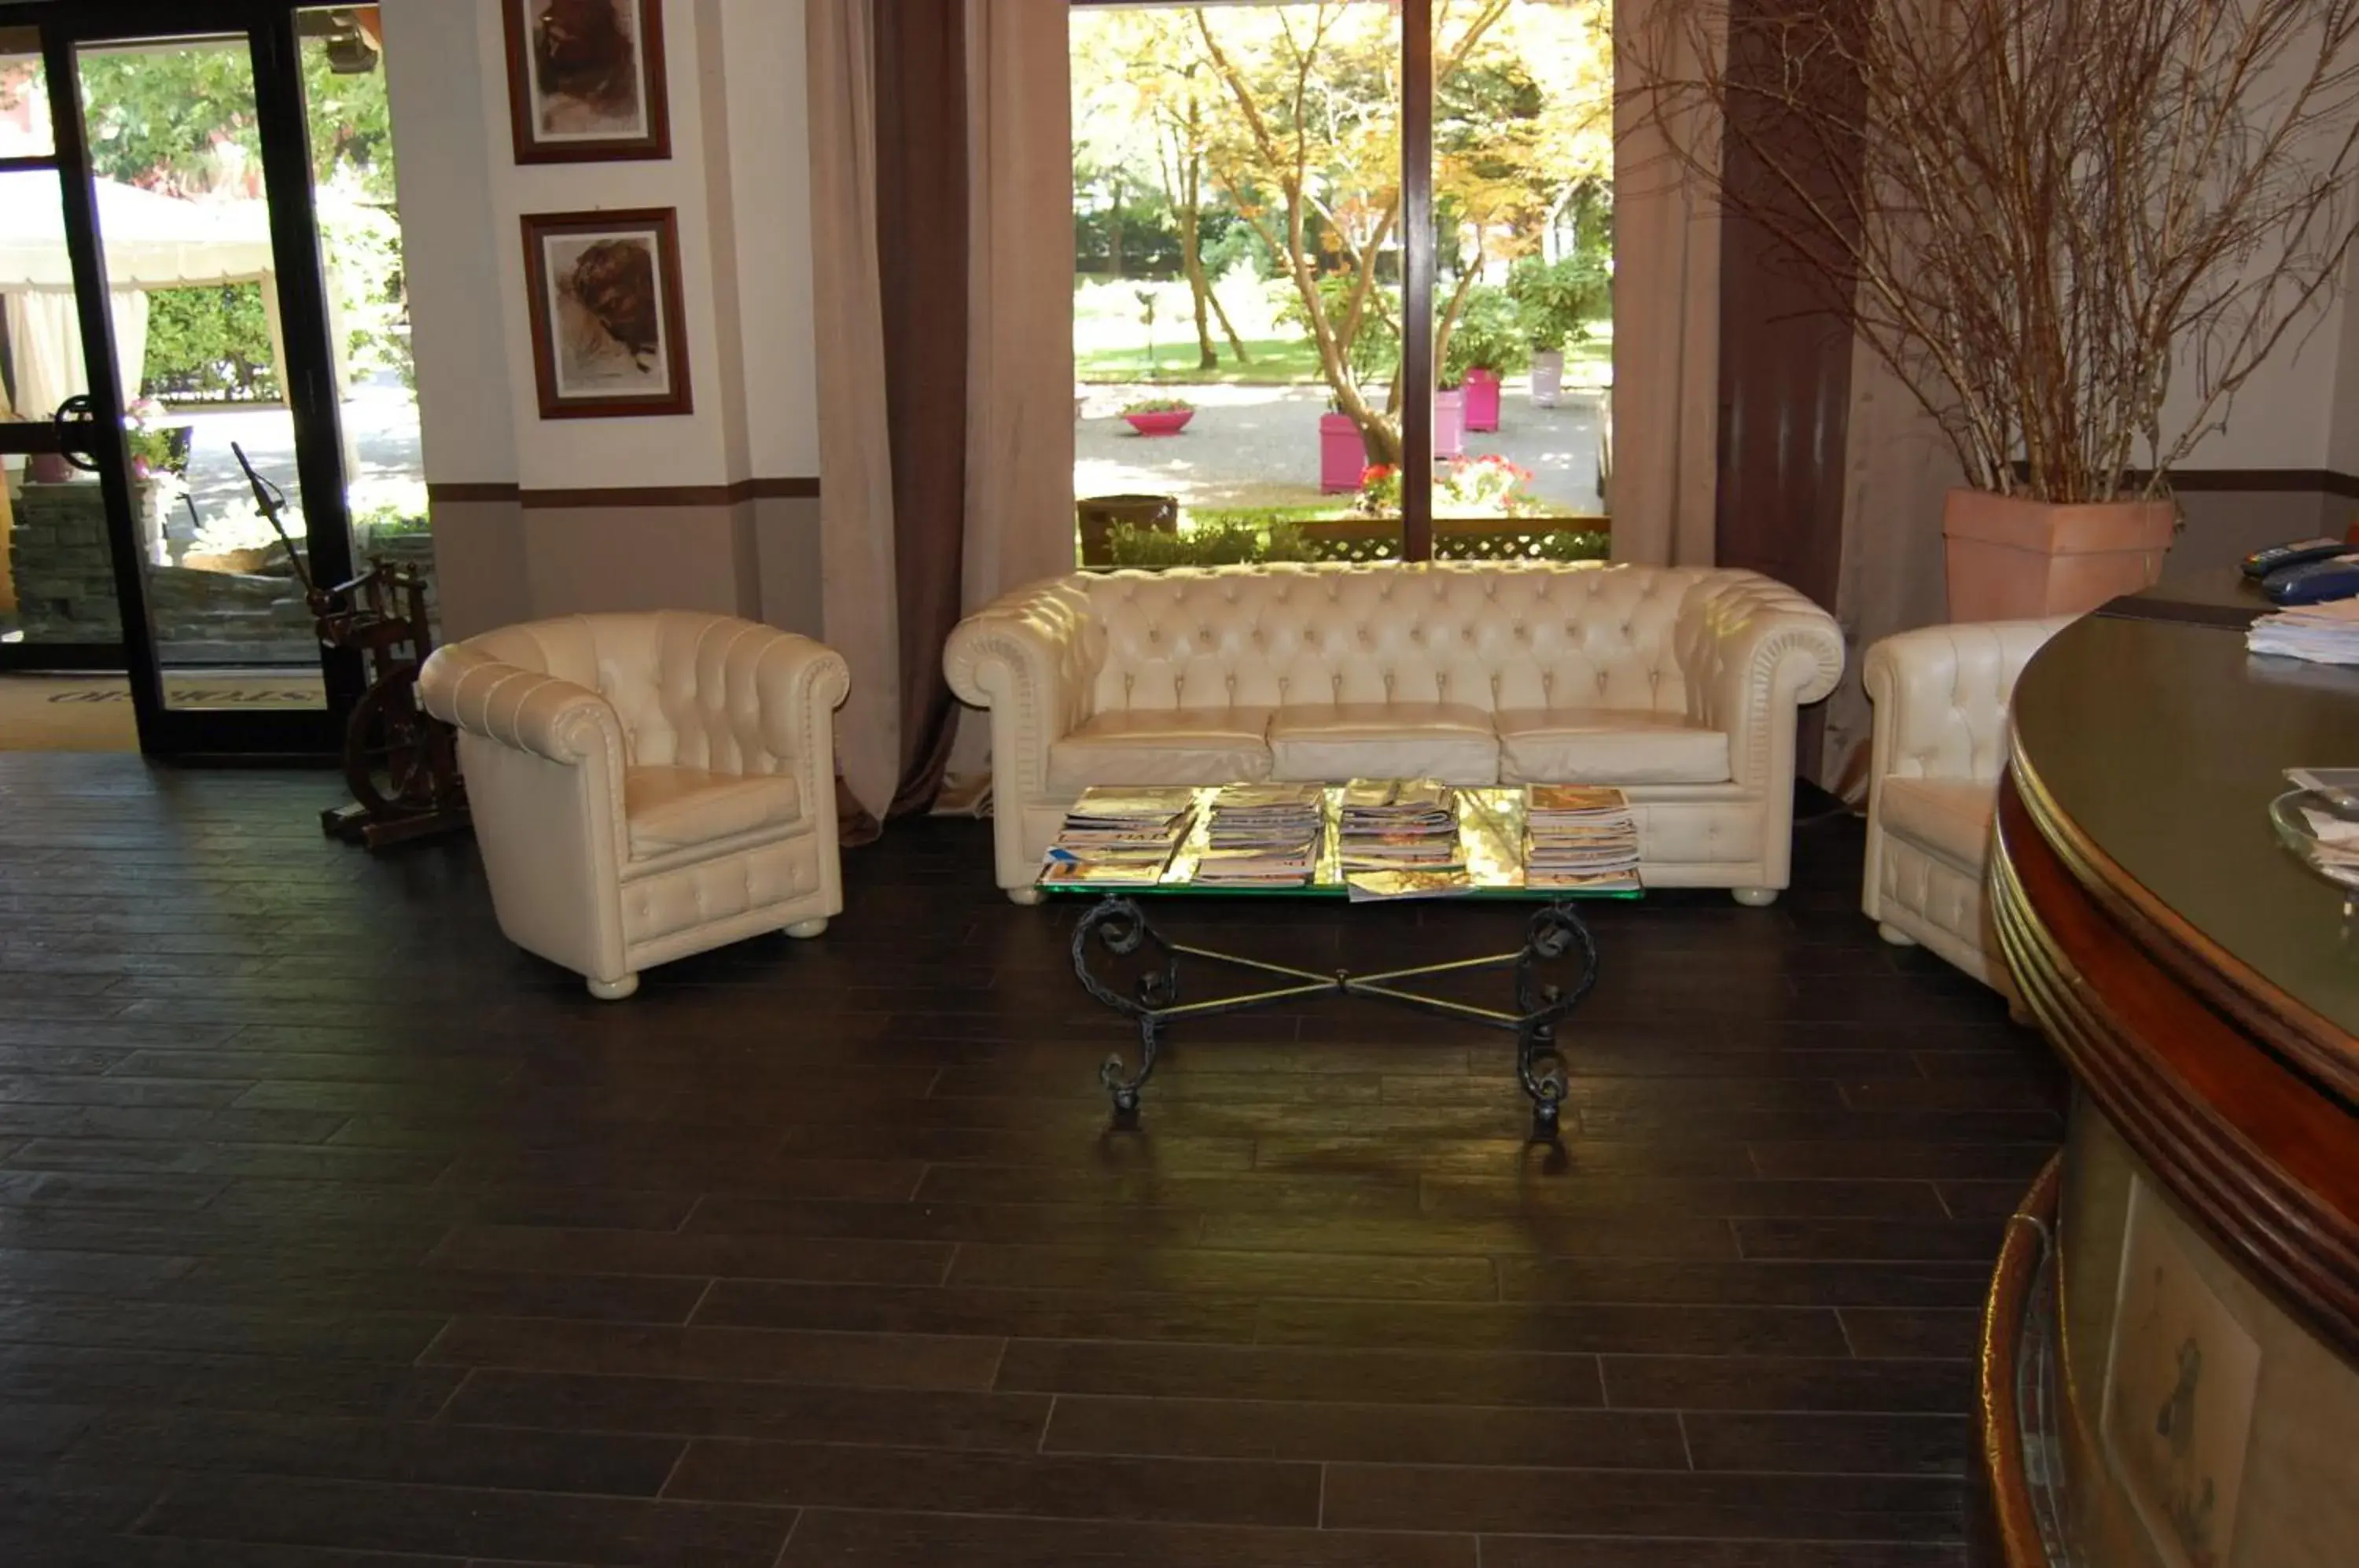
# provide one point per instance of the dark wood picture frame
(661, 227)
(535, 145)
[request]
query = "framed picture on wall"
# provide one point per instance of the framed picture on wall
(608, 338)
(586, 80)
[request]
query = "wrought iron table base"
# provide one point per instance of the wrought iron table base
(1118, 926)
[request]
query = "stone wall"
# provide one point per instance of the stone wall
(64, 575)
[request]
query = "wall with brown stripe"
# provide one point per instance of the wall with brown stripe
(712, 510)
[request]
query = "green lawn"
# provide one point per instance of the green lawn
(1110, 336)
(1274, 361)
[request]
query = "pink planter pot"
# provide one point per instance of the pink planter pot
(1481, 392)
(1449, 424)
(1342, 455)
(1167, 423)
(2011, 558)
(49, 468)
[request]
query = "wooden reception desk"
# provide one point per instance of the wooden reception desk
(2170, 1369)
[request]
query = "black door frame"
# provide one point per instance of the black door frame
(269, 30)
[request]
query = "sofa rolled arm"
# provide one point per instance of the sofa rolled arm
(1029, 658)
(1752, 650)
(801, 683)
(524, 709)
(1942, 696)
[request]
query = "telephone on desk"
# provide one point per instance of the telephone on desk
(2307, 572)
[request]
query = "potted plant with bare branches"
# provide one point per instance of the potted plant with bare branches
(2072, 230)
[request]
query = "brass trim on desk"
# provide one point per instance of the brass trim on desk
(2014, 1540)
(2235, 1131)
(2309, 1040)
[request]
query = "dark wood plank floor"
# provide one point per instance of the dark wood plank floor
(335, 1232)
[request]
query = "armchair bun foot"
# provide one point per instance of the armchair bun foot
(1894, 934)
(1027, 897)
(1754, 898)
(803, 930)
(613, 990)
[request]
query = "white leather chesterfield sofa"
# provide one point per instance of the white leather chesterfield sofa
(646, 786)
(1940, 744)
(1679, 684)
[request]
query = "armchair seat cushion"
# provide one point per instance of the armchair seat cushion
(1169, 745)
(1335, 743)
(668, 809)
(1608, 745)
(1949, 817)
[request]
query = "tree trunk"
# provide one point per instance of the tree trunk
(1191, 261)
(1114, 229)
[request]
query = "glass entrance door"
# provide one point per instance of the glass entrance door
(182, 169)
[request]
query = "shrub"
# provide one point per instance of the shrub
(210, 342)
(1159, 405)
(1490, 334)
(1225, 541)
(1556, 300)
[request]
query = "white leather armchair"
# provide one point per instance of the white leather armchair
(1940, 744)
(646, 786)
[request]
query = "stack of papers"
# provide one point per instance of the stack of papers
(2322, 634)
(1262, 836)
(1408, 824)
(1579, 836)
(1118, 837)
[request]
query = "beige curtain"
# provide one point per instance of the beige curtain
(1019, 444)
(1019, 362)
(1019, 439)
(45, 345)
(859, 596)
(1665, 333)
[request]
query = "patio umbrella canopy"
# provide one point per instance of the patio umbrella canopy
(152, 240)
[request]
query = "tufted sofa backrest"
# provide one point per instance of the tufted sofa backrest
(681, 684)
(1486, 634)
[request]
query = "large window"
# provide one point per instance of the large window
(1243, 246)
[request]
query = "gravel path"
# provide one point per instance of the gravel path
(1259, 446)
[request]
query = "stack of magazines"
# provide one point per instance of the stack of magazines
(1262, 836)
(1118, 837)
(1404, 825)
(2322, 634)
(1579, 837)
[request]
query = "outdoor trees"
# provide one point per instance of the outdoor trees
(1306, 146)
(1143, 88)
(184, 122)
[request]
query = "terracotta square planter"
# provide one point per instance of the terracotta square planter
(2011, 558)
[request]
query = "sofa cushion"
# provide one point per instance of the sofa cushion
(1951, 817)
(1335, 743)
(665, 808)
(1608, 745)
(1163, 746)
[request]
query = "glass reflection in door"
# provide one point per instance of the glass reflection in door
(184, 226)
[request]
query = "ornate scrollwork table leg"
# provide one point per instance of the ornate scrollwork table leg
(1555, 933)
(1119, 927)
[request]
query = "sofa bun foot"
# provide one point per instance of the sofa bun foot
(1894, 935)
(803, 930)
(1754, 898)
(613, 990)
(1027, 897)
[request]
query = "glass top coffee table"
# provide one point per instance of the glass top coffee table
(1553, 970)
